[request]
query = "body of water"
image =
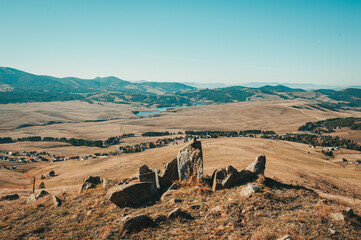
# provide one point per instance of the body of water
(162, 109)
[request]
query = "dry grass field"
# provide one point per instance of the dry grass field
(285, 158)
(90, 215)
(73, 118)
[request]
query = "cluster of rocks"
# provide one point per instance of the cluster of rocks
(153, 183)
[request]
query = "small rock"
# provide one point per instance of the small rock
(332, 231)
(179, 213)
(286, 237)
(249, 189)
(349, 212)
(57, 201)
(175, 200)
(10, 197)
(31, 198)
(135, 223)
(160, 218)
(41, 194)
(216, 209)
(337, 216)
(91, 182)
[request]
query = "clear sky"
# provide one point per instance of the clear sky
(220, 41)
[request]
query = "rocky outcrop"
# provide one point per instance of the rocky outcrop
(258, 166)
(133, 194)
(230, 177)
(10, 197)
(135, 223)
(190, 161)
(91, 182)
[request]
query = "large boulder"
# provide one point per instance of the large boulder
(91, 182)
(258, 166)
(133, 194)
(190, 161)
(135, 223)
(169, 174)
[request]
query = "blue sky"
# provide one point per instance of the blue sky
(186, 41)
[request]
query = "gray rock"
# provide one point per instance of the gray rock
(232, 178)
(258, 166)
(135, 223)
(179, 213)
(218, 177)
(249, 189)
(286, 237)
(10, 197)
(133, 194)
(57, 202)
(169, 174)
(190, 161)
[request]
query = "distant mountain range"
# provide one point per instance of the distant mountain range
(17, 86)
(13, 79)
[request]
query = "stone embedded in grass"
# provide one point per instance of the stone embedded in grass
(258, 166)
(286, 237)
(41, 194)
(249, 189)
(135, 223)
(10, 197)
(31, 198)
(337, 216)
(179, 213)
(57, 202)
(91, 182)
(133, 194)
